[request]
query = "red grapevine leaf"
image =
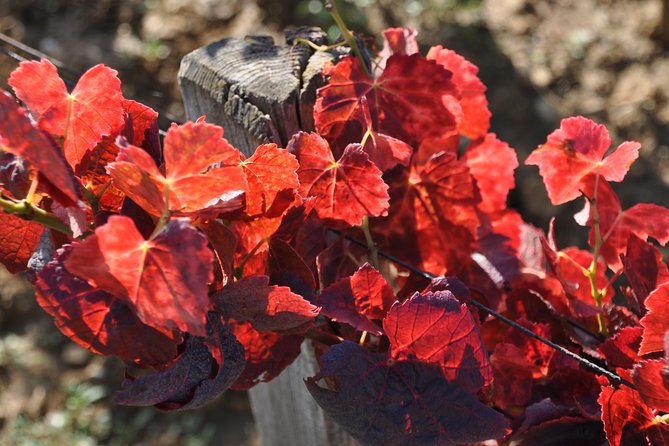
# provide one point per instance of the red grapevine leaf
(644, 269)
(643, 220)
(622, 349)
(18, 240)
(346, 190)
(267, 307)
(651, 379)
(201, 172)
(272, 179)
(383, 150)
(381, 402)
(414, 99)
(437, 329)
(491, 163)
(97, 320)
(224, 243)
(373, 296)
(625, 415)
(573, 152)
(207, 368)
(164, 278)
(338, 303)
(267, 354)
(562, 431)
(656, 321)
(94, 108)
(475, 114)
(20, 138)
(144, 121)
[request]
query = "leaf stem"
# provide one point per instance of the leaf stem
(28, 211)
(166, 213)
(596, 293)
(349, 38)
(373, 250)
(315, 47)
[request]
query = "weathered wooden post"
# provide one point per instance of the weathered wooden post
(260, 93)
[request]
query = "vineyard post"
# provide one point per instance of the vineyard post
(264, 93)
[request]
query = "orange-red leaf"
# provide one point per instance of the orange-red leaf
(437, 329)
(272, 180)
(18, 241)
(413, 99)
(99, 321)
(475, 114)
(345, 190)
(575, 150)
(267, 307)
(492, 163)
(94, 108)
(19, 137)
(373, 296)
(201, 172)
(656, 321)
(164, 278)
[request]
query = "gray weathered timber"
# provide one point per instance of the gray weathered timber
(254, 88)
(261, 92)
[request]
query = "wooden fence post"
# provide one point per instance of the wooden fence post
(260, 93)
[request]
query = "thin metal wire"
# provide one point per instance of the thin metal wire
(586, 363)
(36, 54)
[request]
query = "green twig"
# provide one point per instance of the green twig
(349, 38)
(596, 293)
(373, 250)
(28, 211)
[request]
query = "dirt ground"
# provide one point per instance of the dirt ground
(540, 60)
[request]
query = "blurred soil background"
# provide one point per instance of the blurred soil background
(541, 60)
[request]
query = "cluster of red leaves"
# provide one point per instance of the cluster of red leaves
(211, 268)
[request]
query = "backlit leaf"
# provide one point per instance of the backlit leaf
(94, 108)
(19, 137)
(18, 241)
(575, 150)
(435, 328)
(475, 114)
(651, 379)
(201, 172)
(267, 307)
(345, 190)
(644, 269)
(413, 99)
(656, 321)
(99, 321)
(165, 278)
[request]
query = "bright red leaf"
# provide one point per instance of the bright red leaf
(627, 419)
(621, 350)
(437, 329)
(267, 307)
(18, 240)
(651, 379)
(18, 136)
(346, 190)
(144, 121)
(99, 321)
(373, 296)
(267, 354)
(94, 108)
(164, 278)
(491, 163)
(656, 321)
(383, 150)
(576, 150)
(475, 114)
(400, 41)
(643, 220)
(413, 99)
(201, 172)
(272, 180)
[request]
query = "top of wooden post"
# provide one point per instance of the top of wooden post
(258, 91)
